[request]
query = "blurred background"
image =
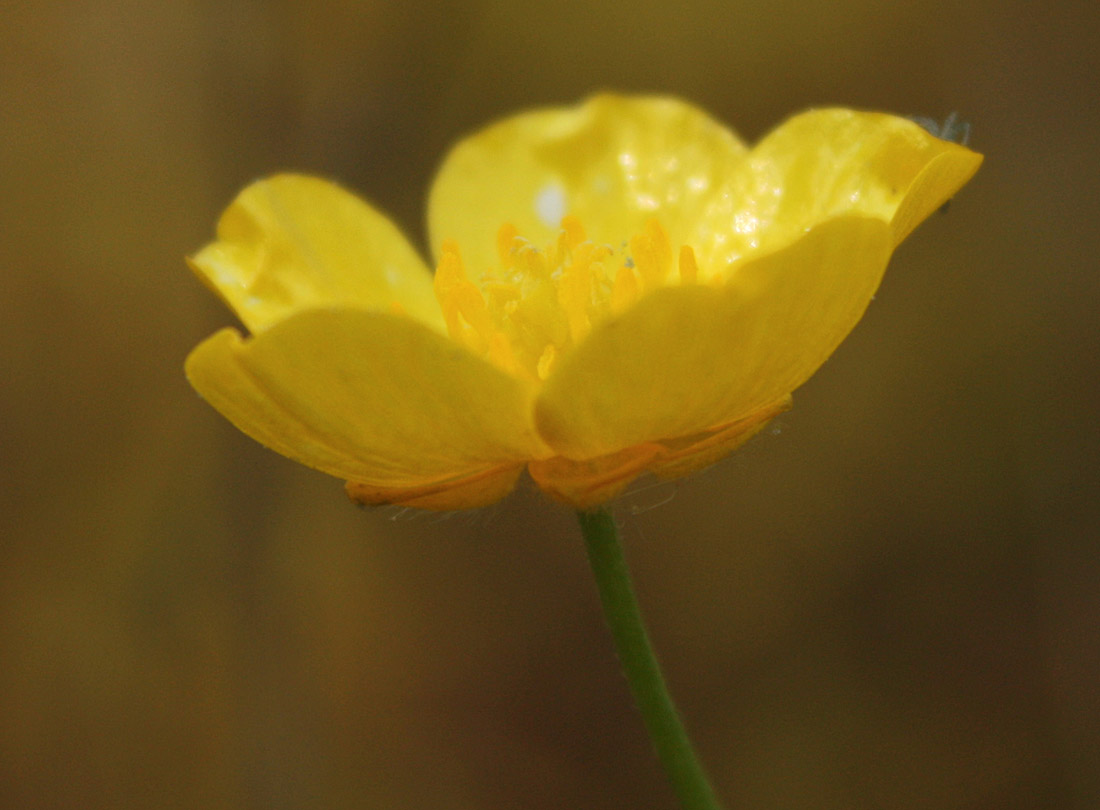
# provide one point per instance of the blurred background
(890, 600)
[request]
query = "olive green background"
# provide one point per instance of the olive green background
(891, 600)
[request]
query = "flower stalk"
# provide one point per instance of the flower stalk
(639, 663)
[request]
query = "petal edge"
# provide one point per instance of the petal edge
(684, 359)
(293, 242)
(369, 397)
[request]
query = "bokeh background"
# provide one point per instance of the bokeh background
(891, 600)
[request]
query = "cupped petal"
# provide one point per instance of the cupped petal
(828, 163)
(374, 398)
(614, 162)
(933, 186)
(686, 359)
(292, 242)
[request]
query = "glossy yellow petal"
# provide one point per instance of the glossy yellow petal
(614, 162)
(687, 359)
(374, 398)
(934, 185)
(828, 163)
(290, 243)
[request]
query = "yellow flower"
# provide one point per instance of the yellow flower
(620, 287)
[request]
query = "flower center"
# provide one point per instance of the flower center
(537, 303)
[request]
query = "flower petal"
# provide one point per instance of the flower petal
(588, 483)
(291, 242)
(686, 359)
(464, 492)
(696, 452)
(828, 163)
(367, 396)
(612, 161)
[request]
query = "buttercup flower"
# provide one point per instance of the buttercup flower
(620, 287)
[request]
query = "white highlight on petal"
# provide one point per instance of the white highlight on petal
(744, 222)
(550, 205)
(698, 182)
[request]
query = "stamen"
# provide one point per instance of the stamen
(530, 260)
(574, 295)
(652, 254)
(546, 361)
(625, 291)
(540, 300)
(461, 301)
(449, 275)
(506, 238)
(473, 309)
(501, 354)
(572, 231)
(689, 270)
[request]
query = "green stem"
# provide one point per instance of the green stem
(620, 608)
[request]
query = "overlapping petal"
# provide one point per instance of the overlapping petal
(589, 482)
(613, 162)
(290, 243)
(616, 161)
(370, 397)
(834, 162)
(688, 358)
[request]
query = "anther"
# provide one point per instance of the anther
(506, 239)
(689, 270)
(575, 294)
(546, 361)
(624, 291)
(652, 254)
(460, 299)
(573, 230)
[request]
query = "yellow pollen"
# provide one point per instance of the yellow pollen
(506, 238)
(537, 303)
(572, 232)
(625, 291)
(448, 276)
(574, 296)
(652, 254)
(500, 353)
(546, 361)
(689, 270)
